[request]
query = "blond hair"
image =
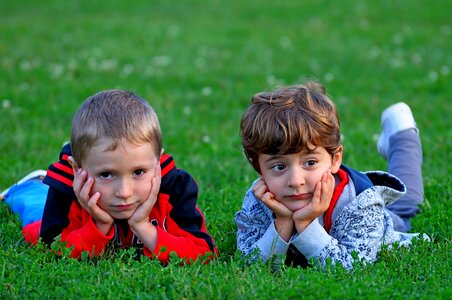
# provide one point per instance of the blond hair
(289, 120)
(114, 115)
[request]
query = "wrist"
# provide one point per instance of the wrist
(300, 226)
(284, 227)
(103, 227)
(146, 232)
(139, 226)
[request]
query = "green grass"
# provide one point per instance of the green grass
(198, 63)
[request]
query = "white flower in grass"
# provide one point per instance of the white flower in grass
(72, 64)
(56, 71)
(26, 65)
(162, 60)
(108, 65)
(328, 77)
(444, 70)
(374, 53)
(200, 62)
(187, 110)
(127, 70)
(397, 62)
(398, 39)
(273, 81)
(92, 64)
(206, 91)
(206, 139)
(364, 24)
(285, 42)
(24, 86)
(416, 58)
(6, 104)
(433, 76)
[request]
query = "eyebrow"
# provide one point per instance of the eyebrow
(279, 156)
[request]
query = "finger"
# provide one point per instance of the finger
(328, 186)
(92, 202)
(268, 197)
(260, 189)
(79, 179)
(317, 193)
(156, 181)
(86, 189)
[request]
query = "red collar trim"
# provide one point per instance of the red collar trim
(337, 192)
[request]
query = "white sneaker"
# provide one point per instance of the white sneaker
(395, 118)
(38, 174)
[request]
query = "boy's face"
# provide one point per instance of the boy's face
(123, 176)
(292, 177)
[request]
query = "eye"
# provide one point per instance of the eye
(310, 163)
(278, 167)
(105, 175)
(138, 172)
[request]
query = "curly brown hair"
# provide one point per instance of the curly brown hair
(289, 120)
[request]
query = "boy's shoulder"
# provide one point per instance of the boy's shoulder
(367, 179)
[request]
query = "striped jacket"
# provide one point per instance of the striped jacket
(180, 224)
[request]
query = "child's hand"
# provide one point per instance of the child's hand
(141, 214)
(283, 223)
(319, 204)
(262, 193)
(82, 189)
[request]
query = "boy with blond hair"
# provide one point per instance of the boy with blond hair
(114, 187)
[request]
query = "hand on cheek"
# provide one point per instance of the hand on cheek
(262, 193)
(83, 185)
(319, 204)
(141, 214)
(283, 222)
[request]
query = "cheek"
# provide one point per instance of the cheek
(103, 190)
(142, 191)
(275, 185)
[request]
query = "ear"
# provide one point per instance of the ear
(73, 164)
(337, 160)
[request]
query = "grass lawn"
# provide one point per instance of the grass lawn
(198, 63)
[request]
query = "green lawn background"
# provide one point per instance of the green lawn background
(198, 63)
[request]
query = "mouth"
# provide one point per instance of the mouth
(305, 196)
(124, 207)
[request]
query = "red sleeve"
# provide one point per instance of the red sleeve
(82, 233)
(180, 223)
(174, 237)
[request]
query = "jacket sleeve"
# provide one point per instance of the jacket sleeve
(59, 197)
(360, 228)
(82, 234)
(183, 230)
(257, 237)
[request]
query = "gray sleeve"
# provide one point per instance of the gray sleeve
(360, 228)
(256, 233)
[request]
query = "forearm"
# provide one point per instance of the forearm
(86, 238)
(147, 233)
(315, 242)
(284, 227)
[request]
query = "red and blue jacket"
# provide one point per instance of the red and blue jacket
(180, 224)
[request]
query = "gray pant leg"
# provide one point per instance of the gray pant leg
(405, 162)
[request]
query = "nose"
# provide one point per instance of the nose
(296, 177)
(124, 188)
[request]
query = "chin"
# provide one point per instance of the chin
(122, 215)
(294, 207)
